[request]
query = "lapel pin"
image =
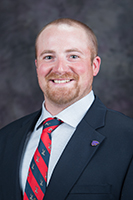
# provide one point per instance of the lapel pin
(94, 143)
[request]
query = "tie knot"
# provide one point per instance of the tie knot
(49, 122)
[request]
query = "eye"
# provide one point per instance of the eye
(74, 56)
(48, 57)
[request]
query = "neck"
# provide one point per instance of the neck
(54, 109)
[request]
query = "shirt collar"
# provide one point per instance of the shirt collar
(73, 114)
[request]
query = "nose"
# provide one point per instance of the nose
(61, 65)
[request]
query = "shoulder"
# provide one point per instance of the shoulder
(113, 120)
(19, 122)
(119, 119)
(118, 125)
(113, 114)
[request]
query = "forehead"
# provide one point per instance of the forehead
(62, 31)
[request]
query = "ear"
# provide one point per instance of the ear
(36, 64)
(96, 65)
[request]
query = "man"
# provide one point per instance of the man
(92, 153)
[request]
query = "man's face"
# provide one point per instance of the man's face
(64, 68)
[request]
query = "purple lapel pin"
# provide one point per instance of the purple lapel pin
(94, 143)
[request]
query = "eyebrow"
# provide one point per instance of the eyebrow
(67, 51)
(73, 50)
(46, 52)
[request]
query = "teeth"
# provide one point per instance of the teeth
(61, 81)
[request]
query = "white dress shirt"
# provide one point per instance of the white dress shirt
(71, 116)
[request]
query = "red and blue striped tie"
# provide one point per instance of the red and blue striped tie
(37, 176)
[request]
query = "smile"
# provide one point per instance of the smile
(61, 81)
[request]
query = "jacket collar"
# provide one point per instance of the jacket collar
(96, 114)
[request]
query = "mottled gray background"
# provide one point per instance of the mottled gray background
(21, 20)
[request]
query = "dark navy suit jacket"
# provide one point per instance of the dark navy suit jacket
(84, 172)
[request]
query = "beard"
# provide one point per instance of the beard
(62, 95)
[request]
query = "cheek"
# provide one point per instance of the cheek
(86, 76)
(42, 70)
(79, 69)
(83, 71)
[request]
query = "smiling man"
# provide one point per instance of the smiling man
(65, 64)
(74, 148)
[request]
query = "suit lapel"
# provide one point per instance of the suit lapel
(20, 138)
(77, 153)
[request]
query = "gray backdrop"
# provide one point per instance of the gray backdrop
(21, 20)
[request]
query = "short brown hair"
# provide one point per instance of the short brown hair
(72, 22)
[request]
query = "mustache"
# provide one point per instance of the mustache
(66, 75)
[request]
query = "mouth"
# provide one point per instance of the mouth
(61, 81)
